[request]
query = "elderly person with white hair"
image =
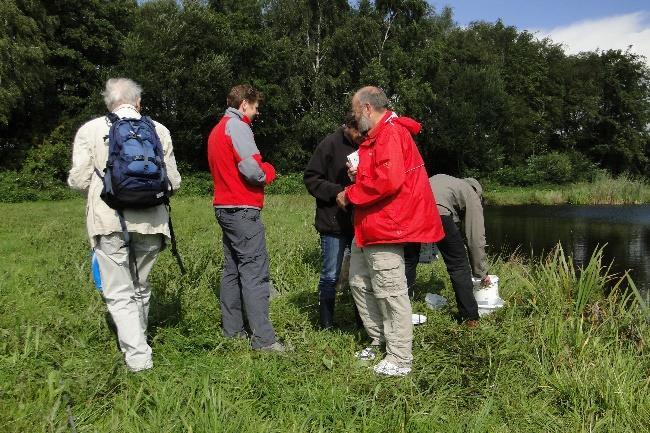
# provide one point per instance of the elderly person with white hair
(126, 295)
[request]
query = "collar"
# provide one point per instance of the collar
(126, 106)
(372, 134)
(386, 118)
(127, 110)
(233, 112)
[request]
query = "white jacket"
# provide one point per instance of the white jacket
(90, 152)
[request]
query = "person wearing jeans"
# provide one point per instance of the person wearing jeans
(325, 176)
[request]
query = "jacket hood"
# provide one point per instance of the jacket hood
(475, 186)
(413, 126)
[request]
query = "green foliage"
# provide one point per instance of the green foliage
(545, 362)
(291, 183)
(491, 99)
(199, 184)
(604, 189)
(549, 168)
(16, 187)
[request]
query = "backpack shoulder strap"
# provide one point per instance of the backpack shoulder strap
(113, 117)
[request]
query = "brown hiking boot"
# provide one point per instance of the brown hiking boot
(471, 324)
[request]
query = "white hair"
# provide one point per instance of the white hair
(121, 91)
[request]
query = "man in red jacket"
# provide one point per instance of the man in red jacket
(239, 176)
(393, 205)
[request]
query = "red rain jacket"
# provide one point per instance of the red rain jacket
(392, 199)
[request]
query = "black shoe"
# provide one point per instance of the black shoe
(326, 311)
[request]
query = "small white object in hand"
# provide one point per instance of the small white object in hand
(353, 159)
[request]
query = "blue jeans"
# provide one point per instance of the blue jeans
(333, 248)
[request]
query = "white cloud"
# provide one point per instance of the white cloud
(615, 32)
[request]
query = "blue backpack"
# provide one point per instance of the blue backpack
(135, 174)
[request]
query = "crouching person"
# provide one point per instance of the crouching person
(126, 239)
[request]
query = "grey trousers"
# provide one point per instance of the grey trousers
(128, 300)
(245, 285)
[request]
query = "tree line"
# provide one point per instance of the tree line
(493, 100)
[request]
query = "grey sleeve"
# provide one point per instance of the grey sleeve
(244, 144)
(475, 234)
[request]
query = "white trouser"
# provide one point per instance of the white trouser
(126, 300)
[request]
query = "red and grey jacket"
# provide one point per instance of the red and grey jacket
(392, 199)
(238, 172)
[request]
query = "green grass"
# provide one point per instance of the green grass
(603, 190)
(559, 357)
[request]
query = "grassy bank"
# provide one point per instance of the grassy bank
(559, 357)
(603, 190)
(16, 188)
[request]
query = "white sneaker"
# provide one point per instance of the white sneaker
(146, 366)
(367, 354)
(387, 368)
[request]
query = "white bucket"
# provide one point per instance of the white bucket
(486, 295)
(485, 309)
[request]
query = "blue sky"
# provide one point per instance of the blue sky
(537, 13)
(578, 25)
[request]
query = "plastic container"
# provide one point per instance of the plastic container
(485, 309)
(486, 295)
(435, 301)
(487, 298)
(97, 276)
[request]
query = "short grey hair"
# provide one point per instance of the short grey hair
(373, 96)
(121, 91)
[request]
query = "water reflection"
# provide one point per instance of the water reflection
(537, 229)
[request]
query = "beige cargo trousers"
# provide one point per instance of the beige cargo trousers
(378, 285)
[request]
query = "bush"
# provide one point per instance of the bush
(287, 184)
(51, 160)
(194, 183)
(199, 183)
(16, 187)
(549, 168)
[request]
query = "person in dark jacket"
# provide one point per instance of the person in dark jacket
(325, 176)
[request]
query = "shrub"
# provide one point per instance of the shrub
(549, 168)
(18, 187)
(287, 184)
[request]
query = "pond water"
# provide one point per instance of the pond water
(537, 229)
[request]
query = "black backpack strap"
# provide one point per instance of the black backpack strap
(175, 253)
(113, 117)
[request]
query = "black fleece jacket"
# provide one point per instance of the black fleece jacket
(325, 176)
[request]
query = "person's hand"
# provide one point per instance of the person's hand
(342, 200)
(486, 281)
(352, 172)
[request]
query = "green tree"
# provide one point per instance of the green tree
(23, 75)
